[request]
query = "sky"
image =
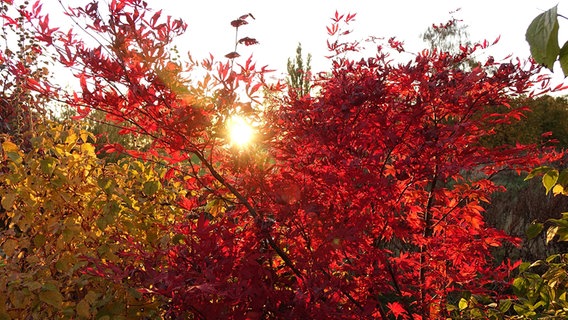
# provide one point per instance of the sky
(280, 25)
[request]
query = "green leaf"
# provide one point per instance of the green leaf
(48, 165)
(564, 58)
(8, 201)
(107, 184)
(39, 240)
(562, 234)
(534, 230)
(151, 187)
(549, 180)
(536, 171)
(34, 285)
(14, 156)
(524, 266)
(520, 286)
(542, 36)
(563, 177)
(505, 305)
(52, 297)
(551, 258)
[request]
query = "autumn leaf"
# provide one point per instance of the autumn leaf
(247, 41)
(232, 55)
(397, 310)
(238, 22)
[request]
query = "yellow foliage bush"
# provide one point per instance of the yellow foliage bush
(63, 208)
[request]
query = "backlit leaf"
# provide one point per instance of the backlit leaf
(462, 304)
(551, 233)
(549, 180)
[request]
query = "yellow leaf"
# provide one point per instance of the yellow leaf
(85, 136)
(88, 149)
(557, 189)
(462, 304)
(9, 146)
(71, 138)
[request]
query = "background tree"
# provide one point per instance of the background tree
(450, 37)
(546, 121)
(21, 107)
(299, 75)
(447, 37)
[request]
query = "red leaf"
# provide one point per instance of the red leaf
(248, 41)
(187, 204)
(170, 173)
(8, 20)
(333, 29)
(112, 148)
(350, 17)
(244, 16)
(232, 55)
(239, 22)
(397, 310)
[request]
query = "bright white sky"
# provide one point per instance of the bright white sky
(281, 25)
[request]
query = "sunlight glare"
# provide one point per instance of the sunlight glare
(240, 132)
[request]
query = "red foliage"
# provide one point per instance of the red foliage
(372, 204)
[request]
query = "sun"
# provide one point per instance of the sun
(240, 131)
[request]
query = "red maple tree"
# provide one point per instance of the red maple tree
(362, 201)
